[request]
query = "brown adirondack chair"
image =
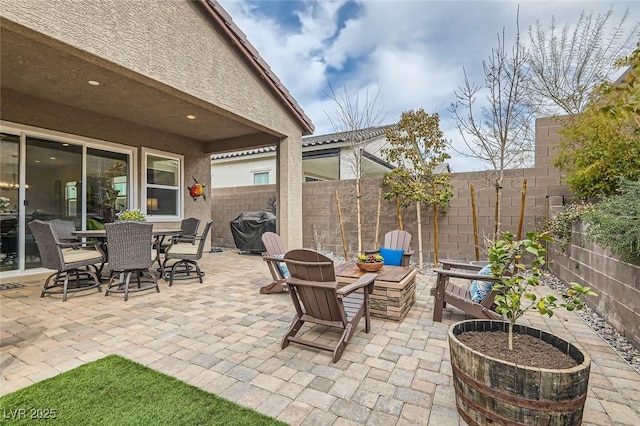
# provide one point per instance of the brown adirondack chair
(273, 256)
(318, 300)
(397, 240)
(459, 296)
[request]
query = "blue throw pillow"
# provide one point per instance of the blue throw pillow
(282, 266)
(391, 257)
(480, 289)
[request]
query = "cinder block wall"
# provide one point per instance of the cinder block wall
(321, 220)
(617, 283)
(228, 203)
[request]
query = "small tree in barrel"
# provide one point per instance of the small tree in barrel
(517, 279)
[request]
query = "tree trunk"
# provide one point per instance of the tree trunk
(523, 197)
(419, 220)
(359, 213)
(498, 223)
(344, 239)
(399, 212)
(435, 235)
(375, 243)
(474, 216)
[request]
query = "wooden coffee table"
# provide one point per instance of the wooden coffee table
(394, 290)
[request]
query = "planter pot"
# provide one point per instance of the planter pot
(489, 390)
(370, 267)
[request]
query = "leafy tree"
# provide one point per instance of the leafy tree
(417, 147)
(499, 131)
(615, 222)
(603, 143)
(567, 63)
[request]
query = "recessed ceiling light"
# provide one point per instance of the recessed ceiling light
(94, 83)
(37, 161)
(52, 158)
(191, 117)
(65, 144)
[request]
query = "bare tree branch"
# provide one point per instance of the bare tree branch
(500, 131)
(565, 65)
(351, 116)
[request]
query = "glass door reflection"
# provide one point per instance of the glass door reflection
(9, 201)
(54, 178)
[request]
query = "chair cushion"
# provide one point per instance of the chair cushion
(73, 256)
(480, 289)
(391, 257)
(184, 248)
(282, 266)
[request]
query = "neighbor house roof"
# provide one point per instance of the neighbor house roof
(328, 139)
(262, 69)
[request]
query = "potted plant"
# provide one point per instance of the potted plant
(370, 262)
(505, 373)
(135, 215)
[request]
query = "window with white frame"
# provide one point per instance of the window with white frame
(260, 178)
(163, 184)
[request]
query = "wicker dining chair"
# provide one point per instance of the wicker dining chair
(130, 253)
(188, 231)
(186, 256)
(64, 230)
(67, 262)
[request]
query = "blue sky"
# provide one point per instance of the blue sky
(414, 50)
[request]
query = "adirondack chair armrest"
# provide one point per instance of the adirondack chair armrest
(487, 302)
(447, 264)
(465, 275)
(364, 281)
(271, 259)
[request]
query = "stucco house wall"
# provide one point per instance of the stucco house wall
(159, 61)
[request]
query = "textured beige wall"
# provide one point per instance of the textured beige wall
(289, 189)
(172, 42)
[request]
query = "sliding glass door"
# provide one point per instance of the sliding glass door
(61, 179)
(9, 201)
(54, 176)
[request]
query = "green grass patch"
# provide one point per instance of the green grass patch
(116, 391)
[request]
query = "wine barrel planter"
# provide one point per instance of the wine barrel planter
(492, 391)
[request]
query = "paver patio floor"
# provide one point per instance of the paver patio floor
(224, 337)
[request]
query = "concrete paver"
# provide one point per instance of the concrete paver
(224, 337)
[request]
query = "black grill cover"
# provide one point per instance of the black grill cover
(248, 227)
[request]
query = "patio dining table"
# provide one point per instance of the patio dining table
(158, 237)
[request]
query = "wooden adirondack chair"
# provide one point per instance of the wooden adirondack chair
(398, 240)
(459, 296)
(273, 256)
(318, 300)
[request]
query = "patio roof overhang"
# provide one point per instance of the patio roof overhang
(40, 67)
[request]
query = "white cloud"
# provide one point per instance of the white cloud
(415, 50)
